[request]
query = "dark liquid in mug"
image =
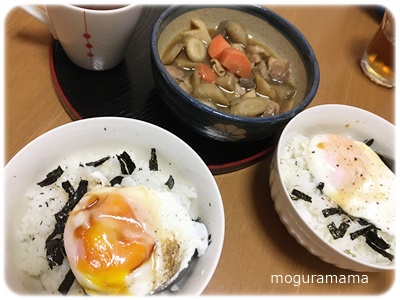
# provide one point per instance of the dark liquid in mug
(101, 7)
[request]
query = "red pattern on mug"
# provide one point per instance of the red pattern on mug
(87, 36)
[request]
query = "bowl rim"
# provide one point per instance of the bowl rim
(99, 124)
(376, 267)
(286, 28)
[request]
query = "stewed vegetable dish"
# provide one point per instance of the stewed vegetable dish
(229, 70)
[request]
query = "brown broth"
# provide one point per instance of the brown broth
(286, 91)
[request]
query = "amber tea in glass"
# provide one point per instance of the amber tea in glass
(378, 61)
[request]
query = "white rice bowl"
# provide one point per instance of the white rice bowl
(71, 146)
(303, 219)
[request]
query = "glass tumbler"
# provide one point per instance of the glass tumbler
(378, 61)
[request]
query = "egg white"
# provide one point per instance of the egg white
(355, 178)
(166, 218)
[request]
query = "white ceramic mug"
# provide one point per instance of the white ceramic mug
(95, 37)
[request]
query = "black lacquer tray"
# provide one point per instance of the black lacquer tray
(128, 90)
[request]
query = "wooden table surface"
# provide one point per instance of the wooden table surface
(256, 245)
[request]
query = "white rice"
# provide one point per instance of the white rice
(296, 175)
(44, 202)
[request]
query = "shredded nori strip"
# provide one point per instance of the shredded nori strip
(53, 247)
(126, 163)
(338, 233)
(66, 283)
(170, 182)
(376, 240)
(362, 231)
(153, 164)
(369, 142)
(373, 240)
(333, 211)
(116, 180)
(54, 252)
(300, 195)
(67, 186)
(51, 177)
(364, 222)
(375, 246)
(97, 162)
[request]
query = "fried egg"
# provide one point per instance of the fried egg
(131, 240)
(354, 177)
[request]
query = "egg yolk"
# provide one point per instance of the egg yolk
(112, 243)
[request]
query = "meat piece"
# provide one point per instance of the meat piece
(273, 108)
(279, 69)
(256, 53)
(175, 73)
(262, 70)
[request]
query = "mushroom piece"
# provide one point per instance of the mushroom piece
(263, 88)
(239, 90)
(198, 23)
(227, 82)
(195, 49)
(200, 30)
(217, 67)
(236, 33)
(251, 94)
(209, 103)
(247, 84)
(249, 107)
(171, 53)
(195, 78)
(272, 109)
(210, 91)
(184, 63)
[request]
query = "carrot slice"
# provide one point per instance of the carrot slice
(236, 62)
(206, 74)
(217, 45)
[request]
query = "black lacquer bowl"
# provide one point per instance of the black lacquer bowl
(265, 25)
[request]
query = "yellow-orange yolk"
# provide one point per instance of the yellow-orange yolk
(112, 244)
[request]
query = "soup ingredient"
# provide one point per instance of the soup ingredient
(354, 177)
(242, 67)
(250, 107)
(236, 33)
(206, 74)
(217, 45)
(115, 234)
(236, 62)
(195, 49)
(208, 90)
